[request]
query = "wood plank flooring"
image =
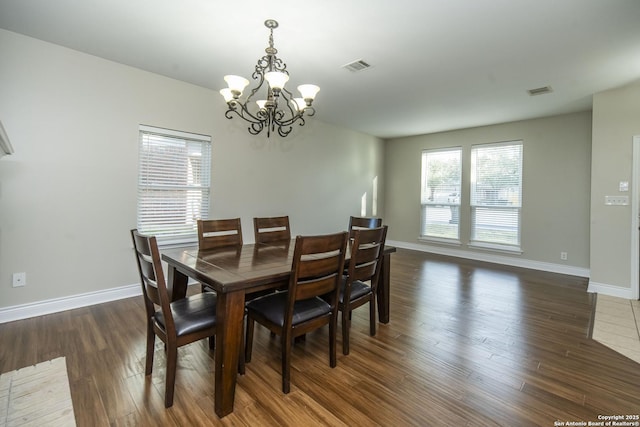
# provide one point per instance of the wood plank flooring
(469, 344)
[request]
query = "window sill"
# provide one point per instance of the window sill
(451, 242)
(496, 247)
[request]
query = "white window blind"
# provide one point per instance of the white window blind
(173, 183)
(440, 199)
(496, 193)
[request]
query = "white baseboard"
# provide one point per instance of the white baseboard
(494, 258)
(613, 291)
(55, 305)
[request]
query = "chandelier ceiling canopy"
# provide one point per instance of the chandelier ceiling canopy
(275, 107)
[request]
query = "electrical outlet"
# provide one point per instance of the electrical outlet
(19, 279)
(563, 256)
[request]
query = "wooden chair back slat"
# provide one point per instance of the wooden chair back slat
(359, 223)
(218, 233)
(271, 229)
(154, 287)
(314, 265)
(366, 255)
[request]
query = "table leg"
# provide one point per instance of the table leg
(230, 314)
(176, 284)
(383, 290)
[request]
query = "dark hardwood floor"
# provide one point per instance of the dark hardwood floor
(469, 344)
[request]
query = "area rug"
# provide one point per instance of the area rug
(37, 395)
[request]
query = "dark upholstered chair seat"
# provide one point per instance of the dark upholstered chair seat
(358, 289)
(272, 307)
(191, 314)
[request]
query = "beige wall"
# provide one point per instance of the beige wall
(68, 194)
(616, 119)
(556, 189)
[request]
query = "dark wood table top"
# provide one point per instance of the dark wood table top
(229, 269)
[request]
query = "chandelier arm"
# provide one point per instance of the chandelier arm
(282, 132)
(258, 74)
(289, 122)
(288, 96)
(242, 112)
(293, 115)
(276, 123)
(256, 128)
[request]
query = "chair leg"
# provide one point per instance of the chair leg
(372, 315)
(346, 326)
(172, 359)
(286, 363)
(333, 325)
(249, 340)
(212, 342)
(151, 343)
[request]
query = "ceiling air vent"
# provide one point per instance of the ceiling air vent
(357, 66)
(540, 91)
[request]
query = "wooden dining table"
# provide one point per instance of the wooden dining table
(235, 273)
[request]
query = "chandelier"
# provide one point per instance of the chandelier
(276, 107)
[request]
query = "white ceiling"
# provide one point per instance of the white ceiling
(437, 64)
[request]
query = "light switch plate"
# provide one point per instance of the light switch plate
(616, 200)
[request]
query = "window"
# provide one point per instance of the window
(173, 183)
(496, 194)
(441, 179)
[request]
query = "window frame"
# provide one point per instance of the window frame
(496, 209)
(173, 188)
(427, 203)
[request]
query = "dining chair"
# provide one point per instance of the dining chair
(360, 284)
(358, 223)
(176, 323)
(310, 302)
(271, 229)
(218, 233)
